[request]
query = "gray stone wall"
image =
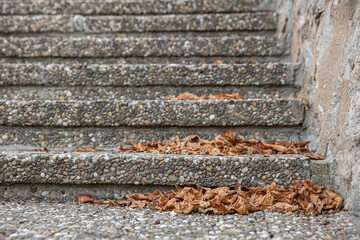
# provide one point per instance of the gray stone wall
(325, 38)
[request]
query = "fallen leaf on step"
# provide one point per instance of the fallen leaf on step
(41, 150)
(315, 157)
(220, 96)
(87, 198)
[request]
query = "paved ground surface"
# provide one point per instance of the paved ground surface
(45, 220)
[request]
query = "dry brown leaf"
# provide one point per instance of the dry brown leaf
(315, 157)
(41, 150)
(87, 198)
(242, 210)
(220, 96)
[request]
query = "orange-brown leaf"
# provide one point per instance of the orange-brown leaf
(315, 157)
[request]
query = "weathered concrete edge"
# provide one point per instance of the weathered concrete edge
(150, 169)
(321, 172)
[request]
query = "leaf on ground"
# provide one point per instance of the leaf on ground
(225, 144)
(305, 198)
(41, 150)
(87, 198)
(315, 157)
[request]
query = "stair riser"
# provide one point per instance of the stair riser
(136, 93)
(147, 74)
(119, 7)
(67, 192)
(142, 169)
(107, 46)
(163, 23)
(152, 113)
(26, 138)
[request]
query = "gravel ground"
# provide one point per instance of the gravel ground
(44, 220)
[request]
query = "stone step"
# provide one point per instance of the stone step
(107, 113)
(30, 138)
(90, 74)
(138, 93)
(153, 23)
(134, 7)
(150, 169)
(190, 60)
(102, 46)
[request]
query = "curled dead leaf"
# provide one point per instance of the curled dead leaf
(220, 96)
(315, 157)
(87, 198)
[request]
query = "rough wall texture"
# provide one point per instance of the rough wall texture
(326, 40)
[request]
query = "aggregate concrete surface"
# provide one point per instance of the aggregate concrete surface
(144, 168)
(46, 220)
(160, 23)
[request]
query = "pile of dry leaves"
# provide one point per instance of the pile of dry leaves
(225, 144)
(302, 197)
(220, 96)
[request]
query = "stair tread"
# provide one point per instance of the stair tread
(119, 7)
(29, 138)
(145, 168)
(115, 46)
(154, 23)
(138, 93)
(258, 112)
(171, 74)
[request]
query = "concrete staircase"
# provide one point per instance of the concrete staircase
(98, 73)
